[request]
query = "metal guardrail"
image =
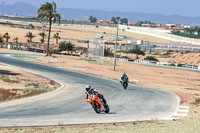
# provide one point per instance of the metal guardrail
(155, 62)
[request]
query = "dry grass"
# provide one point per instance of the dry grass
(16, 84)
(6, 94)
(6, 78)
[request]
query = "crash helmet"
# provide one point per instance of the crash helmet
(88, 87)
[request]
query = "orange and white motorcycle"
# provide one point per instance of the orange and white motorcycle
(97, 103)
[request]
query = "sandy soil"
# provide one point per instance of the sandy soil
(14, 80)
(185, 58)
(137, 36)
(68, 32)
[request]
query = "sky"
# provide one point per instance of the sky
(164, 7)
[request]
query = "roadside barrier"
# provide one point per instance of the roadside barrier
(14, 47)
(155, 62)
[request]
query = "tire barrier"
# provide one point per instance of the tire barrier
(14, 47)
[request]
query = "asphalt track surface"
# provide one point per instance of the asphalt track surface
(68, 106)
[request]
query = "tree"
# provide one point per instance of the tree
(47, 13)
(124, 21)
(16, 39)
(56, 36)
(42, 34)
(108, 52)
(136, 51)
(114, 20)
(6, 36)
(66, 46)
(62, 46)
(30, 36)
(92, 19)
(151, 58)
(70, 47)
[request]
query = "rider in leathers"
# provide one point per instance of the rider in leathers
(91, 91)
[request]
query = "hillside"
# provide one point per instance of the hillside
(24, 9)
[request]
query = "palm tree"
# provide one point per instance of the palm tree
(70, 47)
(47, 13)
(42, 34)
(66, 46)
(30, 36)
(62, 46)
(57, 37)
(6, 35)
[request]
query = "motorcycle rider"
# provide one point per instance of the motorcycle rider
(124, 77)
(91, 91)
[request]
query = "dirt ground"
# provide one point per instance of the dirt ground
(70, 32)
(16, 84)
(184, 84)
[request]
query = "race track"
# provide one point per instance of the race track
(68, 106)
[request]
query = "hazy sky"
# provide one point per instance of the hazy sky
(165, 7)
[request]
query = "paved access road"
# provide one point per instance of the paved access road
(68, 106)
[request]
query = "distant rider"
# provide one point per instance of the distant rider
(124, 77)
(90, 92)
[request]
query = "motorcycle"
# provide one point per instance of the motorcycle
(97, 104)
(124, 83)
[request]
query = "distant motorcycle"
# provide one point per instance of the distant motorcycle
(124, 83)
(97, 104)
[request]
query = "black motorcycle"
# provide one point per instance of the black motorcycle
(124, 83)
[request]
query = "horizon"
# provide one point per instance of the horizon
(149, 7)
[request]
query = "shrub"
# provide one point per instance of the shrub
(108, 52)
(151, 58)
(179, 65)
(51, 50)
(136, 51)
(66, 46)
(197, 101)
(6, 78)
(5, 94)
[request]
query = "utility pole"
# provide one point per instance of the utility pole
(115, 47)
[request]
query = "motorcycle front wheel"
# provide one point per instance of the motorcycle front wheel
(96, 107)
(107, 109)
(125, 85)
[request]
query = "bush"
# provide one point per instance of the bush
(122, 51)
(51, 50)
(6, 78)
(108, 52)
(151, 58)
(5, 94)
(197, 101)
(136, 51)
(66, 46)
(179, 65)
